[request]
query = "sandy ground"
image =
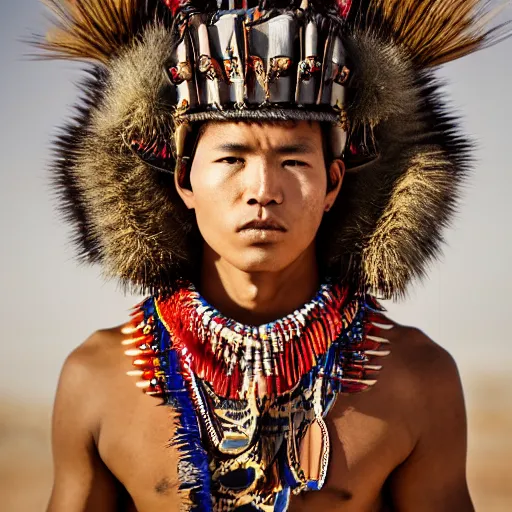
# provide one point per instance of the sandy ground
(25, 454)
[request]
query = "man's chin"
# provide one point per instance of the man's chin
(262, 258)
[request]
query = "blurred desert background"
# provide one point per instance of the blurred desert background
(49, 304)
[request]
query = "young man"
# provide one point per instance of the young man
(260, 172)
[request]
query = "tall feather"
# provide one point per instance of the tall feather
(434, 32)
(95, 30)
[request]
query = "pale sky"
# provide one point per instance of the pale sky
(50, 305)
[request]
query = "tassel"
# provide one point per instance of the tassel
(308, 345)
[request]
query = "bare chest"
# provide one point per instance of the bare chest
(365, 447)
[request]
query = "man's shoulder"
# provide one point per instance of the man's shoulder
(100, 347)
(87, 373)
(94, 363)
(421, 359)
(423, 372)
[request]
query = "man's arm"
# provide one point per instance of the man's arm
(81, 481)
(433, 477)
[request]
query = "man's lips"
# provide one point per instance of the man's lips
(267, 225)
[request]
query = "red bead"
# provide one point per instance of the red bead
(148, 375)
(270, 385)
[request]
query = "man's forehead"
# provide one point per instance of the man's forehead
(272, 131)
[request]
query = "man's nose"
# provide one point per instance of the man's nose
(264, 183)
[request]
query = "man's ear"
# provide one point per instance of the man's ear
(186, 194)
(336, 174)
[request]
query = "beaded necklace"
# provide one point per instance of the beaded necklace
(245, 396)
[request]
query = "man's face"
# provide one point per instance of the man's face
(259, 192)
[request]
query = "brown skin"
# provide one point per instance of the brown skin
(400, 446)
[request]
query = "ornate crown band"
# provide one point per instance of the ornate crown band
(249, 64)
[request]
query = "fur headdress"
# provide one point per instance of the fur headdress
(147, 56)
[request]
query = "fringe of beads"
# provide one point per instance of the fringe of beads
(274, 357)
(351, 329)
(166, 374)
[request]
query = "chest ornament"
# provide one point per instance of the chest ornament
(247, 397)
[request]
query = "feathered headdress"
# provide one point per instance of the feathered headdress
(363, 65)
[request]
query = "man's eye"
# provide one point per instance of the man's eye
(294, 163)
(230, 160)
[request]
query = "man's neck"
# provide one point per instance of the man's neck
(258, 298)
